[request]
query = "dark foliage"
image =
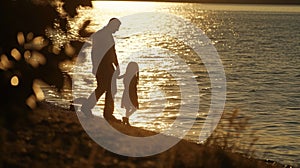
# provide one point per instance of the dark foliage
(30, 18)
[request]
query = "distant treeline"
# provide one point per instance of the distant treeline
(286, 2)
(250, 1)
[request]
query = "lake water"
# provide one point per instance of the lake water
(259, 46)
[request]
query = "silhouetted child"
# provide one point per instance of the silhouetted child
(130, 97)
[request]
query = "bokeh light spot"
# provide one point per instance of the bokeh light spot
(37, 90)
(27, 55)
(5, 63)
(55, 50)
(29, 36)
(37, 59)
(14, 81)
(39, 43)
(69, 50)
(16, 54)
(21, 38)
(31, 101)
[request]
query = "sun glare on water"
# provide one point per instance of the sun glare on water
(125, 6)
(104, 10)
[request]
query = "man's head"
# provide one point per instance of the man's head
(114, 25)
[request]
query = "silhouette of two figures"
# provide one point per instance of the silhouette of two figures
(106, 69)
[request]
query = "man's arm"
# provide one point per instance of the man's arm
(115, 61)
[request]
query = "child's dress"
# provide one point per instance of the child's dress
(130, 97)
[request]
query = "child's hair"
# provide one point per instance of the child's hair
(132, 69)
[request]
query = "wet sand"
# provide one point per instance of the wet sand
(55, 138)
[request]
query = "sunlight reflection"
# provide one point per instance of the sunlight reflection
(104, 10)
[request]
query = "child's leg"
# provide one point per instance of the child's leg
(125, 119)
(129, 111)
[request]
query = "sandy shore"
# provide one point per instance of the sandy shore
(55, 138)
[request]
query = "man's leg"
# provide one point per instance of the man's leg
(92, 100)
(109, 105)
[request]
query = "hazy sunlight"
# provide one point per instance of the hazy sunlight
(125, 6)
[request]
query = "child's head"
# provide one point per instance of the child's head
(132, 68)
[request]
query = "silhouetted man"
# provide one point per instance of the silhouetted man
(105, 63)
